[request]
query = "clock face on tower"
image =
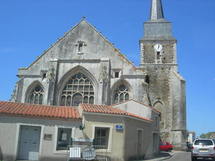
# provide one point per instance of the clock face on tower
(158, 47)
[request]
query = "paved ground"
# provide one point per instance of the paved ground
(172, 156)
(161, 156)
(175, 156)
(180, 156)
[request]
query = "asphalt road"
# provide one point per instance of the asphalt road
(183, 156)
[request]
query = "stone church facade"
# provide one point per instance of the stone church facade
(84, 67)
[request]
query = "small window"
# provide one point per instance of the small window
(44, 75)
(101, 138)
(63, 138)
(158, 55)
(116, 74)
(147, 80)
(80, 46)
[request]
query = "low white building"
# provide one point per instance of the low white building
(44, 133)
(143, 110)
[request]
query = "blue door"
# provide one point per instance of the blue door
(29, 143)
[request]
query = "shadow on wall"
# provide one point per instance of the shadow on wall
(136, 158)
(1, 155)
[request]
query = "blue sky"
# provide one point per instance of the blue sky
(28, 27)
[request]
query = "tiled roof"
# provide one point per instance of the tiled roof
(24, 109)
(102, 109)
(108, 110)
(58, 112)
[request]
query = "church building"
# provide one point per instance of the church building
(83, 67)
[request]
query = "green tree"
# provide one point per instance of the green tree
(209, 135)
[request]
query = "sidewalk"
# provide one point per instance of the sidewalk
(161, 156)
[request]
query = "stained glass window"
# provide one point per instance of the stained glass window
(36, 96)
(121, 94)
(79, 89)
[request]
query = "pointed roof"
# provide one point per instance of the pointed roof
(83, 21)
(157, 27)
(156, 10)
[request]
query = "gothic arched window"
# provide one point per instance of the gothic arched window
(79, 89)
(121, 94)
(36, 95)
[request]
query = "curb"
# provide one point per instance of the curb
(160, 158)
(167, 157)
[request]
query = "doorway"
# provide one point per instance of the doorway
(139, 143)
(155, 143)
(29, 143)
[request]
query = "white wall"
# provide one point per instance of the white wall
(9, 136)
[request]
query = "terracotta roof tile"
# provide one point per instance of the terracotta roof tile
(24, 109)
(108, 110)
(102, 109)
(58, 112)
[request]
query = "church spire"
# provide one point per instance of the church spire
(157, 27)
(156, 10)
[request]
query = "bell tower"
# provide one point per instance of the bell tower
(166, 88)
(158, 46)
